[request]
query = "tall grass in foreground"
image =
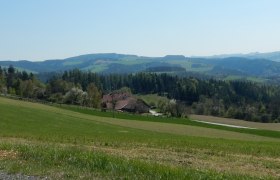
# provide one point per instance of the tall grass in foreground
(73, 163)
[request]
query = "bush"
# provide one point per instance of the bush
(265, 118)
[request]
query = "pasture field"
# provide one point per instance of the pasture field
(64, 143)
(260, 132)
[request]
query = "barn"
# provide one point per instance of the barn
(124, 102)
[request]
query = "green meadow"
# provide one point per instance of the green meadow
(74, 143)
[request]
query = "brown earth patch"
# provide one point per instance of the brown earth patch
(4, 154)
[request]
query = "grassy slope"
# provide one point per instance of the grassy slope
(121, 148)
(54, 119)
(259, 132)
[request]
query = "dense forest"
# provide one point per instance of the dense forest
(235, 99)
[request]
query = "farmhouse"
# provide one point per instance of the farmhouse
(124, 102)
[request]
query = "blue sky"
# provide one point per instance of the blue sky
(47, 29)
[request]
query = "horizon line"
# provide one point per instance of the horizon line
(160, 56)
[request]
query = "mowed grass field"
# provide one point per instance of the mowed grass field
(63, 143)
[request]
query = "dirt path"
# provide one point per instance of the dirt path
(222, 124)
(236, 122)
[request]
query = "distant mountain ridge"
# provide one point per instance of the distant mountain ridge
(256, 64)
(273, 56)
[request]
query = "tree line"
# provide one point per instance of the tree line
(235, 99)
(26, 85)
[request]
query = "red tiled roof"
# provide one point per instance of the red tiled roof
(123, 101)
(115, 97)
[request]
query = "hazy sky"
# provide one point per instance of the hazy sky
(47, 29)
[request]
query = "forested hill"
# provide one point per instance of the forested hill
(235, 99)
(120, 63)
(274, 56)
(255, 67)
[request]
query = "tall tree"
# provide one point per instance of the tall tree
(11, 77)
(94, 96)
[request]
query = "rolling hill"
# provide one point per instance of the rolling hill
(49, 142)
(256, 65)
(274, 56)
